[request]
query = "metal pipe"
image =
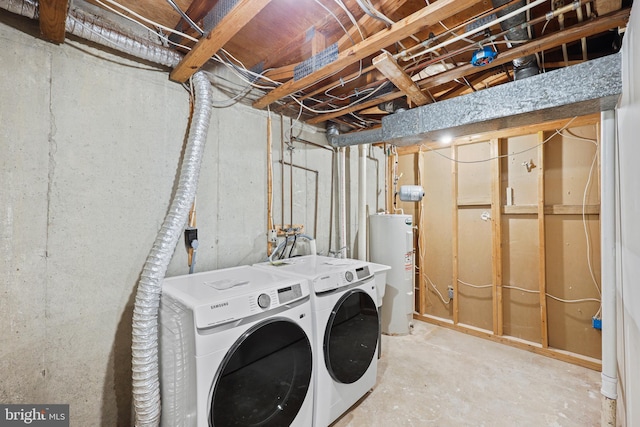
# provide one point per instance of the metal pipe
(186, 17)
(315, 215)
(304, 141)
(281, 170)
(290, 147)
(342, 204)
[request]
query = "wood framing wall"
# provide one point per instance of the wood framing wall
(503, 225)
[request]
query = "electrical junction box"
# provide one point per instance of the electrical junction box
(596, 323)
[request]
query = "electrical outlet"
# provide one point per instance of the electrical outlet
(450, 289)
(273, 235)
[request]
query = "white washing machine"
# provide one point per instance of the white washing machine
(236, 349)
(346, 326)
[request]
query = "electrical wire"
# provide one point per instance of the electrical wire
(535, 291)
(557, 132)
(185, 17)
(475, 286)
(435, 288)
(137, 15)
(343, 107)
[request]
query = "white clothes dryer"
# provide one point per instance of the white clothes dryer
(236, 349)
(346, 328)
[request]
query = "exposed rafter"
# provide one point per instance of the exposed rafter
(243, 12)
(53, 16)
(569, 35)
(425, 17)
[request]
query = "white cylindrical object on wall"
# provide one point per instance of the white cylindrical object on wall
(411, 193)
(391, 243)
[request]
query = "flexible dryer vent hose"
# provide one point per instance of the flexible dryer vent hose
(146, 384)
(146, 388)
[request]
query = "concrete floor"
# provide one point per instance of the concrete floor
(439, 377)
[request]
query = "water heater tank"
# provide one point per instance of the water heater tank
(391, 243)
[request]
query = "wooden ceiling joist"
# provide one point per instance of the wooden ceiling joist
(391, 70)
(430, 15)
(574, 33)
(53, 16)
(229, 26)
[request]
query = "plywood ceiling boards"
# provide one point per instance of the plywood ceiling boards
(413, 23)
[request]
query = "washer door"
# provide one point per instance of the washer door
(351, 336)
(264, 378)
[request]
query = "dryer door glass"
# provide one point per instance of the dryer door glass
(264, 378)
(351, 337)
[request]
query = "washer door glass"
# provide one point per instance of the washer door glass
(264, 378)
(351, 337)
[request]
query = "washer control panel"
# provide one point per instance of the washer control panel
(339, 279)
(248, 304)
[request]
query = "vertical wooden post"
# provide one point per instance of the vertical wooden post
(269, 186)
(496, 240)
(454, 231)
(542, 277)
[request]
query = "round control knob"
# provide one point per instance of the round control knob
(349, 276)
(264, 300)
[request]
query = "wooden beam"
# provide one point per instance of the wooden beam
(390, 68)
(53, 16)
(542, 250)
(508, 133)
(605, 6)
(430, 15)
(454, 232)
(229, 26)
(569, 35)
(551, 210)
(565, 356)
(496, 230)
(318, 43)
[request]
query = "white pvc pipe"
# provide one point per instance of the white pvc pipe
(342, 204)
(362, 202)
(609, 388)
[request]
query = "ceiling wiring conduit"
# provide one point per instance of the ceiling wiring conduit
(146, 384)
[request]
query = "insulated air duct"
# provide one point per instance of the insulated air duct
(525, 66)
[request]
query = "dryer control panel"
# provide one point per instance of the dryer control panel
(340, 278)
(248, 304)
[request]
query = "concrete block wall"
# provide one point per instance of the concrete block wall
(90, 145)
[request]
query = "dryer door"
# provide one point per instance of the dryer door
(264, 378)
(351, 337)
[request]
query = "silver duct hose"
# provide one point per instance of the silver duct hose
(146, 387)
(525, 66)
(146, 384)
(28, 8)
(93, 29)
